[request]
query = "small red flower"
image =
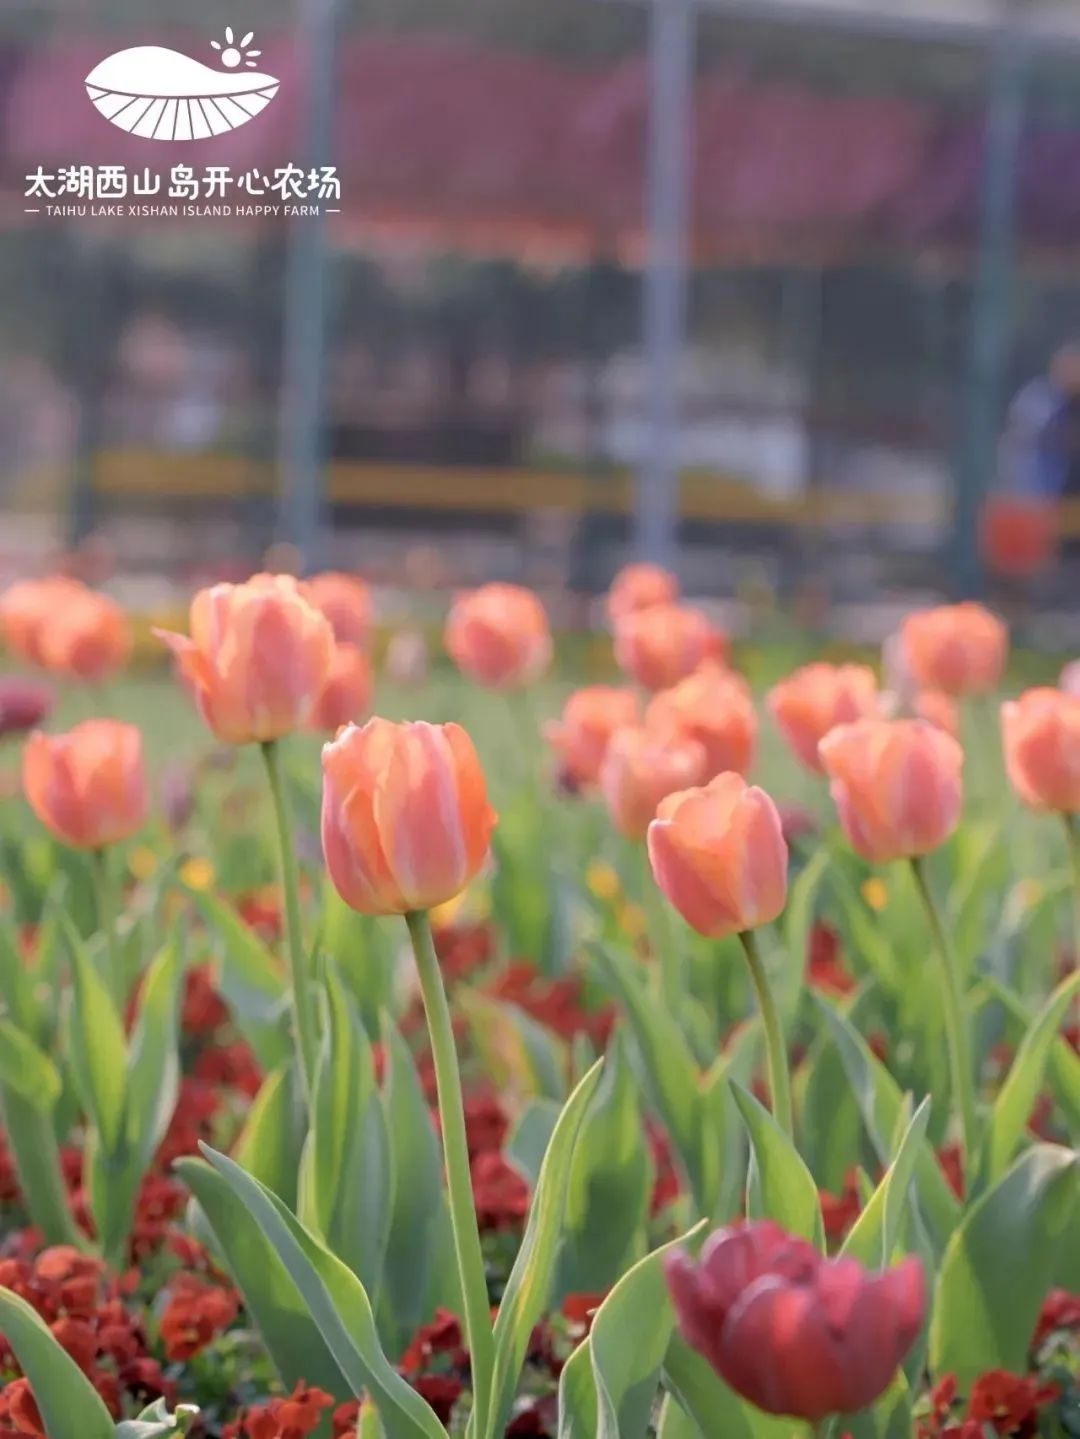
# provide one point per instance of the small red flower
(441, 1391)
(1008, 1402)
(204, 1011)
(79, 1339)
(1060, 1311)
(825, 968)
(441, 1337)
(500, 1193)
(486, 1124)
(840, 1211)
(196, 1314)
(20, 1408)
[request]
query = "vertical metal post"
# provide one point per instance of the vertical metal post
(306, 284)
(671, 63)
(991, 302)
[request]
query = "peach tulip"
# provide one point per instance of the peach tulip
(346, 602)
(817, 698)
(638, 587)
(27, 609)
(89, 637)
(1070, 678)
(712, 706)
(720, 857)
(258, 658)
(1041, 731)
(659, 646)
(346, 694)
(498, 635)
(897, 785)
(959, 649)
(88, 786)
(640, 769)
(406, 822)
(580, 738)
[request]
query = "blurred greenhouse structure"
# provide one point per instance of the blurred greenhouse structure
(881, 234)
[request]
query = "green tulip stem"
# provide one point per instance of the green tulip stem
(470, 1257)
(775, 1045)
(303, 1014)
(1072, 839)
(106, 908)
(956, 1028)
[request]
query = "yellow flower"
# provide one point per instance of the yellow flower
(875, 892)
(632, 921)
(197, 873)
(142, 862)
(603, 881)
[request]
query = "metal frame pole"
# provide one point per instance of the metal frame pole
(991, 305)
(671, 63)
(306, 303)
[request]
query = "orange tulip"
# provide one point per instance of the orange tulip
(712, 706)
(498, 635)
(640, 769)
(346, 694)
(637, 587)
(1041, 731)
(88, 786)
(960, 649)
(897, 785)
(719, 856)
(88, 637)
(29, 607)
(405, 819)
(817, 698)
(659, 646)
(258, 657)
(589, 718)
(346, 602)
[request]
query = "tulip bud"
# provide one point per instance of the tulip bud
(257, 660)
(88, 637)
(346, 602)
(720, 857)
(23, 705)
(405, 819)
(663, 644)
(897, 785)
(346, 694)
(27, 609)
(960, 649)
(792, 1332)
(580, 738)
(88, 786)
(1041, 732)
(817, 698)
(498, 635)
(640, 769)
(638, 587)
(712, 706)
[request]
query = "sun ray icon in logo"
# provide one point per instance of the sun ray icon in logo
(233, 54)
(162, 94)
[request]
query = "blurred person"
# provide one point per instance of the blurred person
(1041, 444)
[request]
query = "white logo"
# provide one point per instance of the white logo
(163, 95)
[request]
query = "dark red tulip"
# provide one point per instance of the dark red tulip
(793, 1332)
(23, 705)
